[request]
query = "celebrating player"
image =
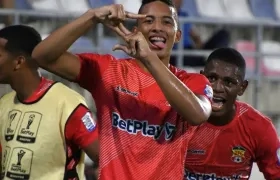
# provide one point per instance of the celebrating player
(44, 125)
(236, 135)
(145, 107)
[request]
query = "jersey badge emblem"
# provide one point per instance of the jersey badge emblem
(208, 91)
(238, 154)
(89, 122)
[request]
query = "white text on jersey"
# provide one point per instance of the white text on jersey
(149, 130)
(212, 176)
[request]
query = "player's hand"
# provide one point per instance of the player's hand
(114, 14)
(137, 45)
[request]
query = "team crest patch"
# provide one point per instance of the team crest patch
(89, 122)
(238, 154)
(208, 91)
(278, 155)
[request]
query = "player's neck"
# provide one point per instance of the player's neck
(25, 85)
(222, 120)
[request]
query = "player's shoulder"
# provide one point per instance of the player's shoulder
(96, 56)
(187, 75)
(251, 115)
(66, 93)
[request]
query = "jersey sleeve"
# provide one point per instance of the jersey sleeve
(92, 68)
(268, 152)
(199, 85)
(81, 128)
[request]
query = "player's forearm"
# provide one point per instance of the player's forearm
(180, 97)
(60, 40)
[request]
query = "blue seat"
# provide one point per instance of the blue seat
(189, 6)
(263, 9)
(22, 4)
(99, 3)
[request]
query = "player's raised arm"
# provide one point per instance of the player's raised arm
(194, 109)
(51, 53)
(268, 151)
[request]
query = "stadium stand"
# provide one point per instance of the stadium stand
(263, 9)
(98, 3)
(249, 47)
(211, 9)
(72, 6)
(131, 6)
(46, 5)
(238, 9)
(271, 63)
(277, 8)
(190, 7)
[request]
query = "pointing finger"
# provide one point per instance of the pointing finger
(134, 16)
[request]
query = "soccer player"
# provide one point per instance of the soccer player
(236, 134)
(145, 107)
(44, 126)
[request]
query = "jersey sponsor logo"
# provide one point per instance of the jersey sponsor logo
(238, 154)
(13, 120)
(20, 164)
(278, 155)
(143, 127)
(209, 176)
(29, 127)
(196, 151)
(208, 91)
(126, 91)
(5, 159)
(88, 122)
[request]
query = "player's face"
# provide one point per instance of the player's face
(160, 27)
(227, 83)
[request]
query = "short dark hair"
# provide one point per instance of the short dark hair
(167, 2)
(21, 39)
(229, 55)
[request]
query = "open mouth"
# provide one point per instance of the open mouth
(218, 103)
(157, 42)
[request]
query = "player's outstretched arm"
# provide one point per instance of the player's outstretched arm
(194, 109)
(51, 54)
(268, 150)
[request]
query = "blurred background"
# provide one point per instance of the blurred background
(250, 26)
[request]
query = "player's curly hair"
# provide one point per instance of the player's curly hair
(229, 55)
(21, 39)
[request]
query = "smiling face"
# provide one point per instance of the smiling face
(160, 27)
(228, 82)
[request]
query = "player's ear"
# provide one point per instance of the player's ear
(18, 62)
(243, 87)
(178, 36)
